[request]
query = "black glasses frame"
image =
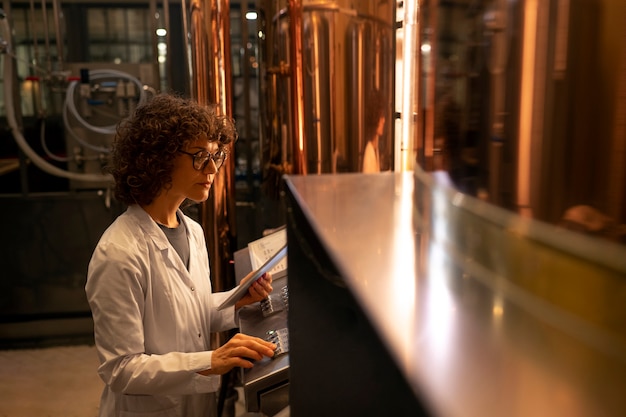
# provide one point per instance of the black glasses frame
(201, 158)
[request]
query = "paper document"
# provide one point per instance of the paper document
(262, 249)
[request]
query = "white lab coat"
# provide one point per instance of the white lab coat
(153, 319)
(370, 159)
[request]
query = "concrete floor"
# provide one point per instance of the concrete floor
(49, 382)
(56, 382)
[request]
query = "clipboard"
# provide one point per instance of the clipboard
(252, 277)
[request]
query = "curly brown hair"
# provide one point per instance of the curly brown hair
(147, 142)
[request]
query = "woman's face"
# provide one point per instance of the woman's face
(188, 182)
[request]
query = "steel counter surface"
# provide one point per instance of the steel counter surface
(466, 346)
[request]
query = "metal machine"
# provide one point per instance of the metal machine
(61, 201)
(266, 385)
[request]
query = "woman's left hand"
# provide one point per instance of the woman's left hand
(257, 291)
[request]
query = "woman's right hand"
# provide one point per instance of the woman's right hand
(241, 350)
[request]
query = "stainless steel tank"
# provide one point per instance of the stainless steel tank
(324, 59)
(525, 106)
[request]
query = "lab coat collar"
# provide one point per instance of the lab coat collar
(148, 225)
(151, 228)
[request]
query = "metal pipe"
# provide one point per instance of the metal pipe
(315, 69)
(46, 31)
(245, 70)
(38, 103)
(410, 146)
(199, 52)
(211, 74)
(154, 39)
(497, 29)
(34, 33)
(297, 86)
(186, 46)
(226, 104)
(529, 39)
(57, 32)
(333, 105)
(126, 34)
(168, 40)
(617, 183)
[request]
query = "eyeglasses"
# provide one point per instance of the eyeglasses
(201, 159)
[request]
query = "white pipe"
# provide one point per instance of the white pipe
(99, 75)
(15, 130)
(80, 140)
(44, 145)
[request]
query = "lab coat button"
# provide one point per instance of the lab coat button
(199, 335)
(193, 288)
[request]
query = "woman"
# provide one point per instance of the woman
(148, 281)
(374, 129)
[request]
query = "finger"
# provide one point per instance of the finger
(265, 283)
(258, 291)
(257, 287)
(268, 288)
(265, 286)
(251, 342)
(255, 353)
(263, 347)
(247, 354)
(240, 362)
(254, 292)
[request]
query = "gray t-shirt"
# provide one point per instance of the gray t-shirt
(178, 239)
